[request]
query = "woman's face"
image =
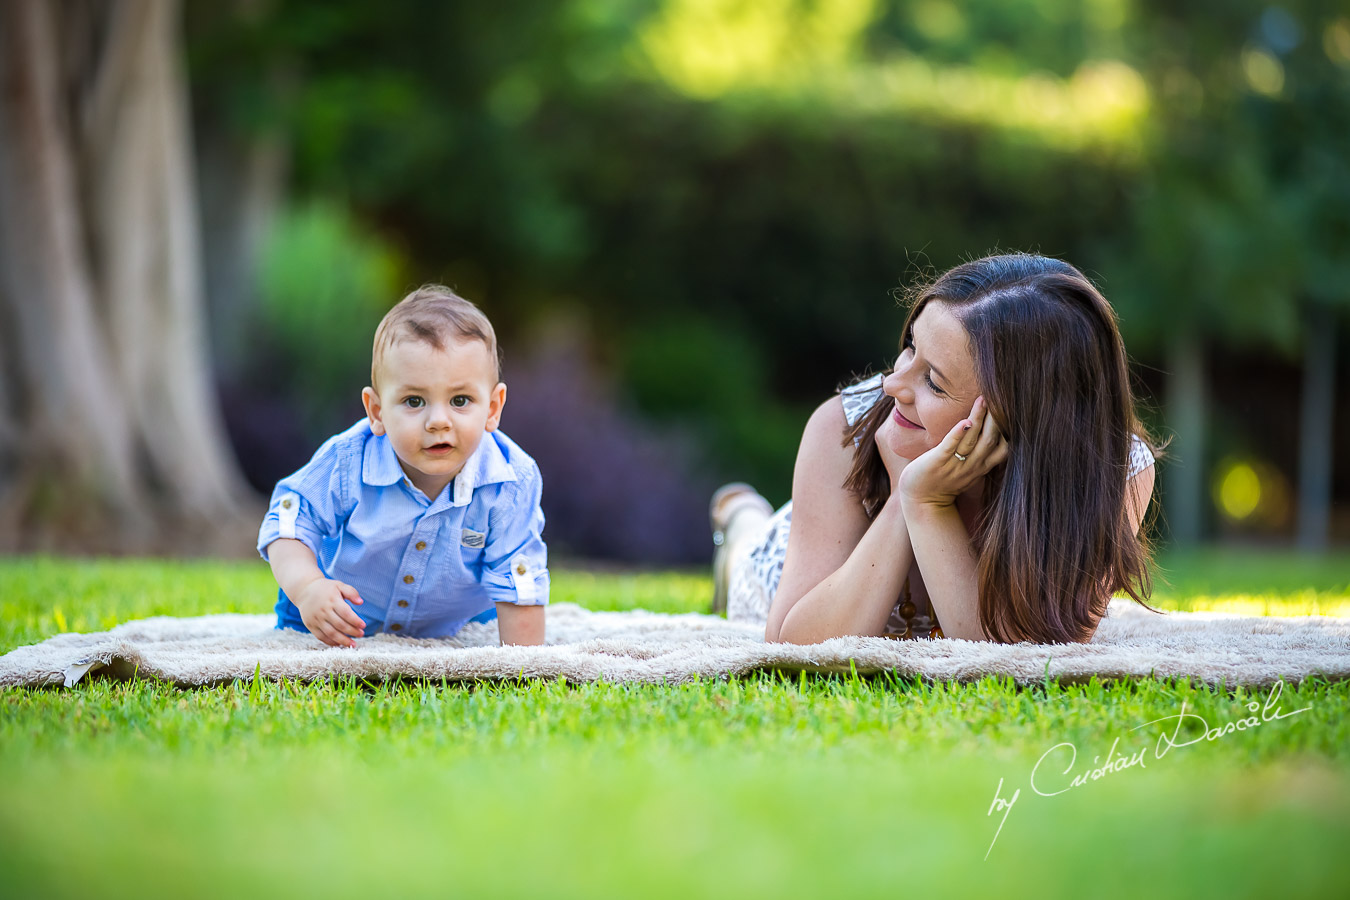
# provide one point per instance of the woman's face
(933, 384)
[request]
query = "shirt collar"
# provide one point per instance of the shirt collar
(488, 465)
(379, 466)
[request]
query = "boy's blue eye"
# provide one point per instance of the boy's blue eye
(414, 402)
(459, 401)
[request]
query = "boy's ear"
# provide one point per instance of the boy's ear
(371, 401)
(496, 400)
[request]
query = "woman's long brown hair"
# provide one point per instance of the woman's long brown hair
(1054, 540)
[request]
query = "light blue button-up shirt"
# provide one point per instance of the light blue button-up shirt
(423, 567)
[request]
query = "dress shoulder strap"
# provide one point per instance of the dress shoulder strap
(859, 398)
(1140, 456)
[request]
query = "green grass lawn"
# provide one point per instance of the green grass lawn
(761, 786)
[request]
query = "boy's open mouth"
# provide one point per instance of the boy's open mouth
(440, 448)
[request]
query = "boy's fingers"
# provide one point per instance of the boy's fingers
(338, 622)
(347, 591)
(352, 629)
(337, 639)
(352, 619)
(322, 629)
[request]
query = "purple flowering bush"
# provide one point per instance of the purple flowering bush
(614, 486)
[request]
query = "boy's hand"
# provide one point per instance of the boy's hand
(323, 607)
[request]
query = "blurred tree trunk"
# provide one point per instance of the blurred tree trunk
(1187, 412)
(1315, 428)
(242, 170)
(242, 187)
(114, 438)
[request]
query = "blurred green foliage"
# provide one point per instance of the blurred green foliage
(730, 192)
(693, 371)
(325, 282)
(1242, 216)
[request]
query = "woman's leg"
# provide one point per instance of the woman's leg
(738, 515)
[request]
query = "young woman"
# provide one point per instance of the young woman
(990, 486)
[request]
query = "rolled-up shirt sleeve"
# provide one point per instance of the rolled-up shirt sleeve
(516, 562)
(308, 505)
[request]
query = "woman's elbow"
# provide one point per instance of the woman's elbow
(791, 630)
(782, 632)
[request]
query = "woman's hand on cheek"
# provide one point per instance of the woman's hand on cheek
(941, 474)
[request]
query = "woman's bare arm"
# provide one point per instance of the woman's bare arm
(941, 544)
(950, 568)
(1138, 491)
(842, 574)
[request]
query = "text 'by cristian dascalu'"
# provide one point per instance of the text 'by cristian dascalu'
(1048, 779)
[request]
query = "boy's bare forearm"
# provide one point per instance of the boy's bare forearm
(523, 625)
(293, 565)
(857, 598)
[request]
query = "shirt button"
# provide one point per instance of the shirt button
(421, 545)
(520, 568)
(285, 504)
(407, 579)
(403, 603)
(396, 627)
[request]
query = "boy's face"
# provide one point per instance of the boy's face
(435, 406)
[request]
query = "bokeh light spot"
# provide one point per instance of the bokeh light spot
(1264, 72)
(938, 20)
(1239, 490)
(1336, 42)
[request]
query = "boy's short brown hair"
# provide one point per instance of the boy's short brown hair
(432, 314)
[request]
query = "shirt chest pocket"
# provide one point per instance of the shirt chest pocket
(472, 549)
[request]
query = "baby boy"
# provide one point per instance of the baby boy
(423, 516)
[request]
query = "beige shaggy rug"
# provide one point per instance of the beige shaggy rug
(658, 648)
